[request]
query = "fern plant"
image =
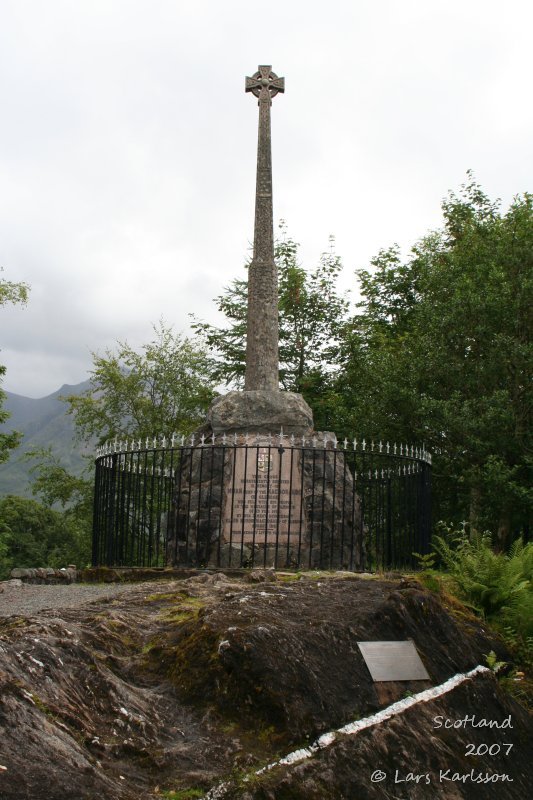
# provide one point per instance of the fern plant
(491, 582)
(493, 663)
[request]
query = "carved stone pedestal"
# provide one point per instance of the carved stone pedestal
(261, 489)
(260, 412)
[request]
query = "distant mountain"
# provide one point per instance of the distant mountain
(44, 423)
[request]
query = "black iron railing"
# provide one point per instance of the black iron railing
(244, 501)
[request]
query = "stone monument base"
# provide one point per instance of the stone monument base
(263, 489)
(260, 412)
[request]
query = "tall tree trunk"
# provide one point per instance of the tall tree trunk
(475, 507)
(503, 537)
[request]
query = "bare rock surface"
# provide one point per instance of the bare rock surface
(407, 758)
(195, 684)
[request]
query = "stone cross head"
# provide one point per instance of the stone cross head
(265, 84)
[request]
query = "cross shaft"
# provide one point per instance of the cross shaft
(262, 360)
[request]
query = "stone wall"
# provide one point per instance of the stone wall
(47, 575)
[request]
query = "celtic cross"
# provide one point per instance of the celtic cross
(265, 84)
(262, 319)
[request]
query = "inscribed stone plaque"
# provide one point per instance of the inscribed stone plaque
(393, 661)
(263, 496)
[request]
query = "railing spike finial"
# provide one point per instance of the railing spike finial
(202, 439)
(292, 440)
(224, 438)
(345, 443)
(355, 444)
(388, 447)
(380, 446)
(363, 444)
(213, 438)
(182, 443)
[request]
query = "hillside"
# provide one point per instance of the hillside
(44, 423)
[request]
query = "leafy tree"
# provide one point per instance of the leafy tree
(34, 535)
(312, 313)
(9, 293)
(164, 388)
(51, 533)
(71, 494)
(440, 351)
(13, 292)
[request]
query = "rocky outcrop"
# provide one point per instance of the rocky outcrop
(410, 757)
(195, 685)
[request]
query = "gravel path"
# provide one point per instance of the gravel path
(29, 599)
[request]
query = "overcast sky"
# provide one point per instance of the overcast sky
(128, 146)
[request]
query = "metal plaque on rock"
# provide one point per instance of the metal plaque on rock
(393, 661)
(263, 497)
